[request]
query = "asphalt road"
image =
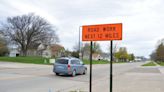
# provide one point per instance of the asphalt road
(128, 77)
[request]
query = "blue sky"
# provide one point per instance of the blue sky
(142, 19)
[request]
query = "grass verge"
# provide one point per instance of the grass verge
(100, 62)
(33, 60)
(41, 60)
(149, 64)
(96, 61)
(160, 63)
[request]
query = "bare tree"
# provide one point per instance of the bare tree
(85, 50)
(115, 48)
(160, 52)
(76, 47)
(28, 31)
(96, 48)
(3, 46)
(161, 41)
(153, 56)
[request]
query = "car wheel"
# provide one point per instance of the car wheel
(85, 71)
(73, 73)
(57, 73)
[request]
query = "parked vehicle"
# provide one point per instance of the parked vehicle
(69, 66)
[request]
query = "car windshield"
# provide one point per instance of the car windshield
(62, 61)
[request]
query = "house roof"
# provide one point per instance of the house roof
(95, 55)
(56, 47)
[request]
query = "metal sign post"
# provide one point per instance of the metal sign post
(111, 66)
(79, 45)
(90, 79)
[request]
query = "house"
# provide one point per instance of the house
(47, 52)
(57, 50)
(13, 52)
(105, 56)
(53, 50)
(96, 56)
(86, 55)
(140, 58)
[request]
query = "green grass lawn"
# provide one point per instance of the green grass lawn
(95, 62)
(41, 60)
(33, 60)
(149, 64)
(100, 62)
(160, 63)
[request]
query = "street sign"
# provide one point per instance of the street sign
(102, 32)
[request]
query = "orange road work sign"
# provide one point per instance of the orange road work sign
(102, 32)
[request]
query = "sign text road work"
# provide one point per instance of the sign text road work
(102, 32)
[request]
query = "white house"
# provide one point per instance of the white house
(13, 52)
